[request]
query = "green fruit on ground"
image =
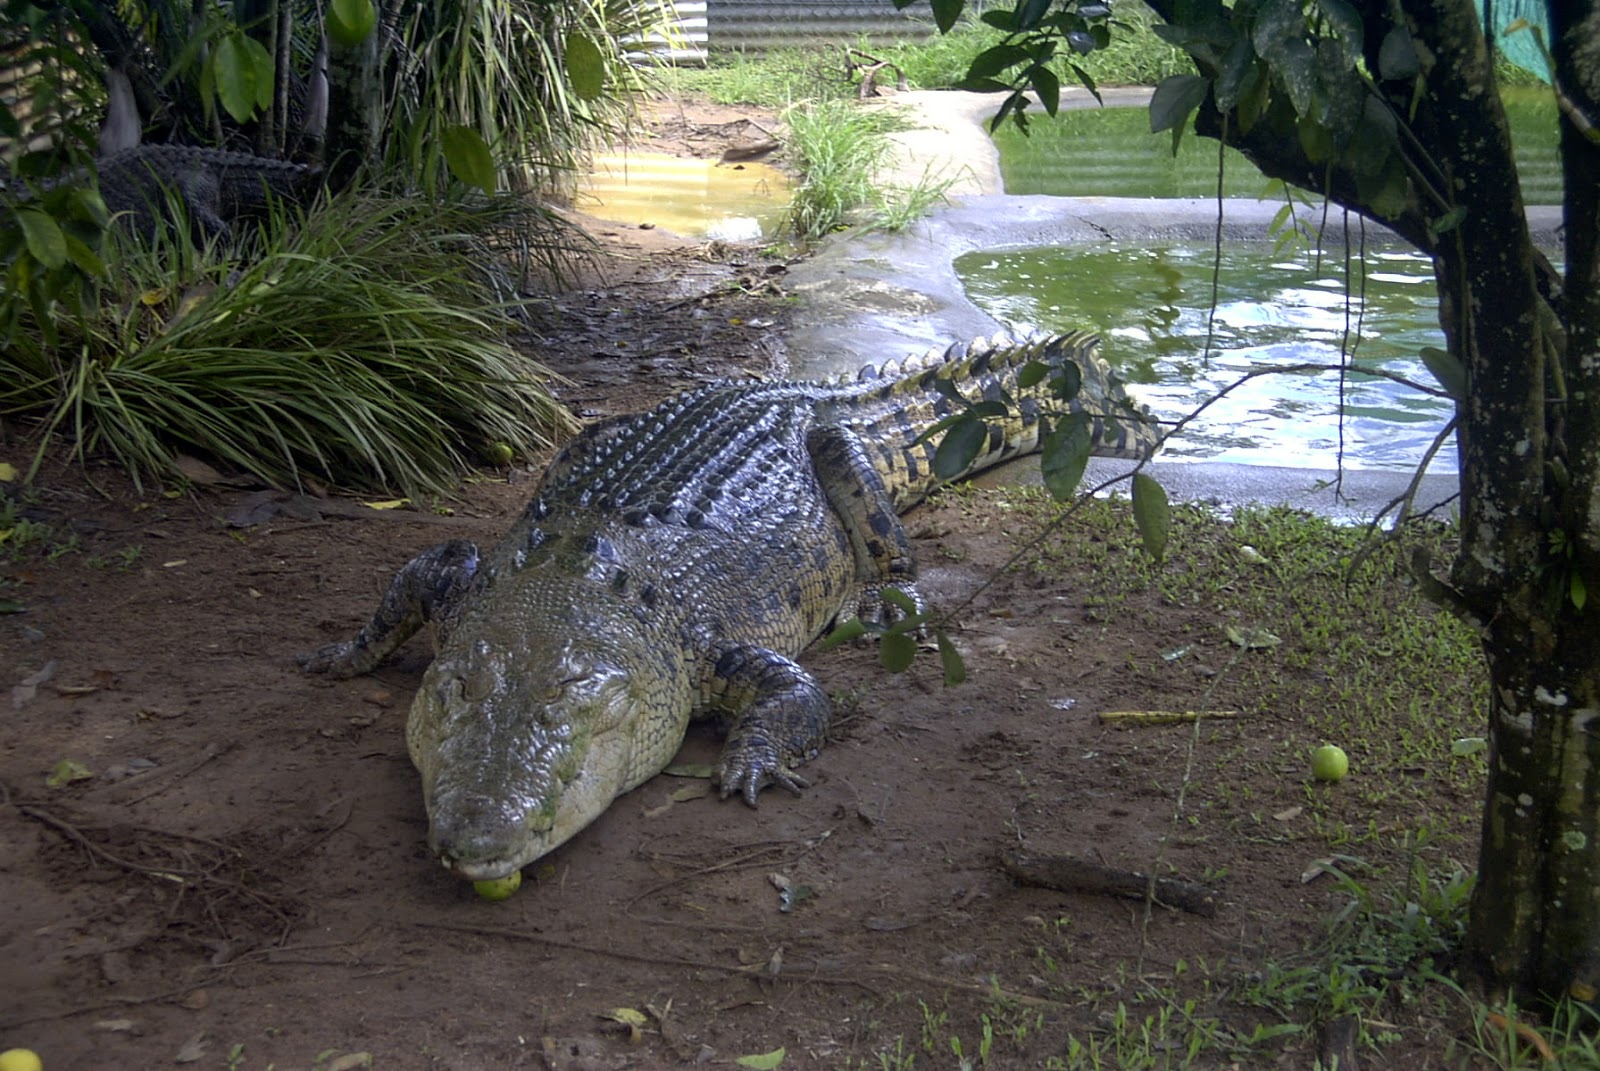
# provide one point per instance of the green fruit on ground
(20, 1060)
(501, 453)
(497, 889)
(1329, 763)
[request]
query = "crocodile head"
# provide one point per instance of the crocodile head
(521, 744)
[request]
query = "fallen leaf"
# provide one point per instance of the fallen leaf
(196, 471)
(631, 1018)
(1317, 868)
(1252, 638)
(690, 792)
(118, 1026)
(689, 770)
(28, 687)
(67, 771)
(175, 563)
(8, 472)
(1287, 813)
(193, 1050)
(765, 1061)
(350, 1061)
(393, 503)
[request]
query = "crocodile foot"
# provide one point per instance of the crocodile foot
(749, 774)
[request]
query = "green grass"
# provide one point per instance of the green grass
(843, 150)
(367, 347)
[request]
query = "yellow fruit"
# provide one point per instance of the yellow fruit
(20, 1060)
(501, 453)
(1329, 763)
(497, 889)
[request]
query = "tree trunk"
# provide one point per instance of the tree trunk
(355, 110)
(1530, 462)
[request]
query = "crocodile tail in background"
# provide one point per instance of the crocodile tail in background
(890, 406)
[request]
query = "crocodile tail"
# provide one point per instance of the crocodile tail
(894, 407)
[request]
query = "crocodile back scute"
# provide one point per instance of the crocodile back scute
(711, 456)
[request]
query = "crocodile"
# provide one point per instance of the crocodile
(672, 565)
(216, 186)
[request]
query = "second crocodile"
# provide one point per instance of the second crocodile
(672, 565)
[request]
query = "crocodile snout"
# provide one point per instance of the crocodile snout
(479, 838)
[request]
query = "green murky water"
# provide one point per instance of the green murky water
(1110, 152)
(1151, 306)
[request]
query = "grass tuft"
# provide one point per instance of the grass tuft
(367, 347)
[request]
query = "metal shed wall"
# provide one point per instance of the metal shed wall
(759, 25)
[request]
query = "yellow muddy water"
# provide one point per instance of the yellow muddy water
(694, 198)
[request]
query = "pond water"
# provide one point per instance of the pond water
(1151, 305)
(1110, 152)
(741, 202)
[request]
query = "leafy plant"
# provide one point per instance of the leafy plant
(365, 347)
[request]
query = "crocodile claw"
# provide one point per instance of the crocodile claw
(756, 776)
(334, 659)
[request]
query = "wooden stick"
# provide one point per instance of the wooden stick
(1068, 874)
(1161, 717)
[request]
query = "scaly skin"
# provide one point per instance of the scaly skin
(215, 186)
(671, 566)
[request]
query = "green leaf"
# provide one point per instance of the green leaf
(850, 629)
(1449, 221)
(1068, 382)
(45, 241)
(1578, 591)
(1468, 745)
(1346, 24)
(1239, 61)
(955, 667)
(900, 600)
(1032, 374)
(897, 651)
(992, 61)
(1279, 35)
(242, 71)
(945, 13)
(468, 157)
(1047, 87)
(349, 22)
(1152, 514)
(586, 67)
(1315, 140)
(1174, 100)
(1397, 59)
(1390, 192)
(960, 447)
(998, 17)
(1031, 12)
(1064, 455)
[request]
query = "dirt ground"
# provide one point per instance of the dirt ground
(242, 882)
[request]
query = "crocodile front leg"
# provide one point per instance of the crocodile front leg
(429, 588)
(859, 497)
(778, 713)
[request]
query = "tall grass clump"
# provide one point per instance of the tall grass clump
(843, 149)
(365, 347)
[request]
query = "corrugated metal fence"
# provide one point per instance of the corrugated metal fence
(711, 27)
